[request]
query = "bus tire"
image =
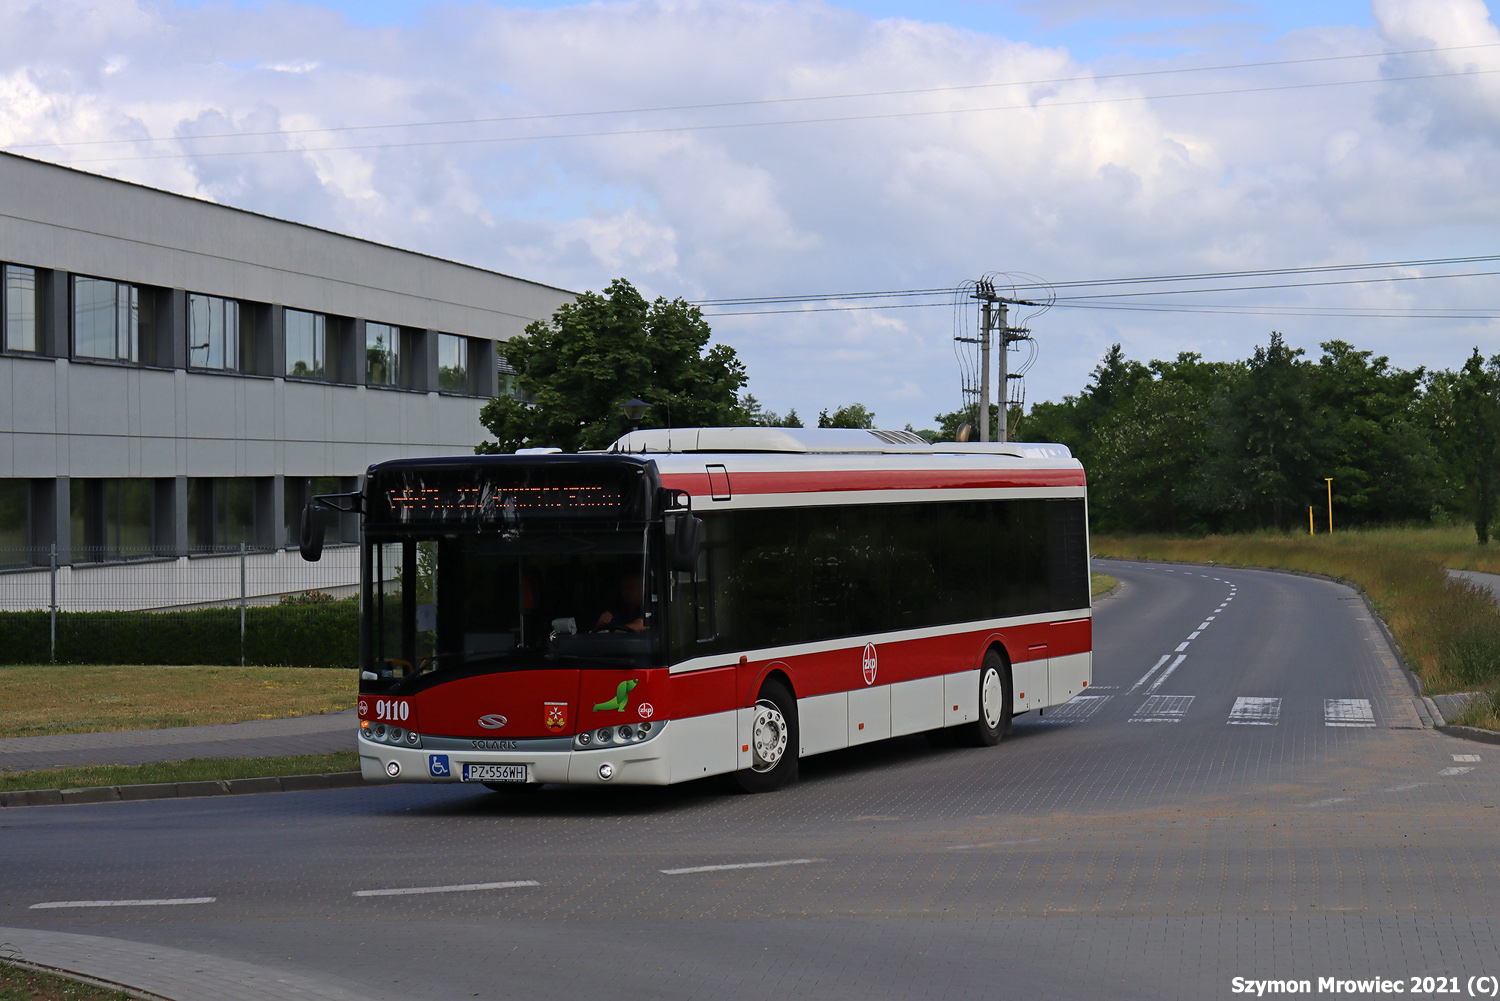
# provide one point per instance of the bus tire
(774, 741)
(993, 724)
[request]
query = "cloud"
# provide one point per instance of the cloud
(1089, 177)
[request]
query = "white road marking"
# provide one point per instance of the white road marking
(1466, 757)
(1077, 709)
(1166, 674)
(162, 902)
(1330, 802)
(403, 891)
(1181, 647)
(1204, 624)
(1195, 634)
(1255, 711)
(1163, 709)
(1156, 667)
(1457, 770)
(1348, 712)
(741, 865)
(993, 844)
(1409, 785)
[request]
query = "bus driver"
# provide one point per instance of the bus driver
(627, 614)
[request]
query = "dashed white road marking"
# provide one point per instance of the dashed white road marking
(1181, 647)
(1205, 622)
(1195, 634)
(1330, 802)
(1466, 757)
(1154, 668)
(1255, 711)
(160, 902)
(1077, 709)
(1348, 712)
(1166, 674)
(1409, 785)
(402, 891)
(1163, 709)
(740, 865)
(993, 844)
(1456, 770)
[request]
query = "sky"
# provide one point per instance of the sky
(742, 149)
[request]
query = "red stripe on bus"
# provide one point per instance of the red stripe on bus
(830, 481)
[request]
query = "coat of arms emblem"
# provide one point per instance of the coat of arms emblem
(555, 715)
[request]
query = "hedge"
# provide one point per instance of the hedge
(317, 635)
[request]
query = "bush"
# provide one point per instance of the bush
(322, 634)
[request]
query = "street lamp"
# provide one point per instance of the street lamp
(634, 411)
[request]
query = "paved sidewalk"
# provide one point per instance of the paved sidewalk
(172, 973)
(251, 739)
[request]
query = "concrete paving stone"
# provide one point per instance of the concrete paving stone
(91, 794)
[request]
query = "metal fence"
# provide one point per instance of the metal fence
(120, 585)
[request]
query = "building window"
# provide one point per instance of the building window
(213, 333)
(453, 363)
(382, 354)
(111, 519)
(106, 319)
(221, 514)
(15, 522)
(508, 380)
(296, 492)
(20, 308)
(306, 344)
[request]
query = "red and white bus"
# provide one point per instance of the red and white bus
(711, 601)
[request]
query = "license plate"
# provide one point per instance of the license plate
(494, 773)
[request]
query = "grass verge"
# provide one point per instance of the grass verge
(191, 770)
(1448, 630)
(1100, 583)
(60, 698)
(19, 983)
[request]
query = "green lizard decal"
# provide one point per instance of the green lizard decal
(621, 699)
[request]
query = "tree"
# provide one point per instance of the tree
(757, 416)
(1268, 439)
(601, 350)
(1472, 446)
(853, 416)
(1145, 458)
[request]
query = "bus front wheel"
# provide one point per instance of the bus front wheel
(774, 741)
(993, 724)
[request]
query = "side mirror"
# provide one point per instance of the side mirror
(685, 542)
(310, 537)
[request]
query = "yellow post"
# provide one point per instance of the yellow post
(1329, 480)
(1309, 520)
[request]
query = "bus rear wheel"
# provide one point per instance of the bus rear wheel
(774, 741)
(993, 724)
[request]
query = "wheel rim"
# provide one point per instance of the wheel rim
(991, 698)
(768, 739)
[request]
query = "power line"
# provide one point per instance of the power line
(1085, 78)
(721, 126)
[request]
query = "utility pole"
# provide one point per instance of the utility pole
(984, 291)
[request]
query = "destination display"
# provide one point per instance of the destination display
(427, 496)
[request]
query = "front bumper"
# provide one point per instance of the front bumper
(643, 763)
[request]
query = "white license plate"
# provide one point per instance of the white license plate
(494, 773)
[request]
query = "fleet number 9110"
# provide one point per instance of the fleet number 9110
(392, 710)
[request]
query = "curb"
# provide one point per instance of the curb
(135, 993)
(1471, 733)
(181, 790)
(1412, 678)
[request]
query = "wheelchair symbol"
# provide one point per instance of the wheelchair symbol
(437, 764)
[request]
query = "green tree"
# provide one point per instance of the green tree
(756, 415)
(601, 350)
(1468, 402)
(1381, 461)
(1268, 439)
(853, 416)
(1146, 455)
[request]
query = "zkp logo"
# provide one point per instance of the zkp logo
(869, 663)
(493, 721)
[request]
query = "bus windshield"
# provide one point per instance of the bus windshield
(469, 602)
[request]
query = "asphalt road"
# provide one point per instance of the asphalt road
(1247, 792)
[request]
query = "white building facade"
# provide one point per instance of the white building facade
(177, 376)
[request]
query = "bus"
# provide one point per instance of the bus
(709, 601)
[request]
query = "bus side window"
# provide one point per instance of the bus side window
(703, 598)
